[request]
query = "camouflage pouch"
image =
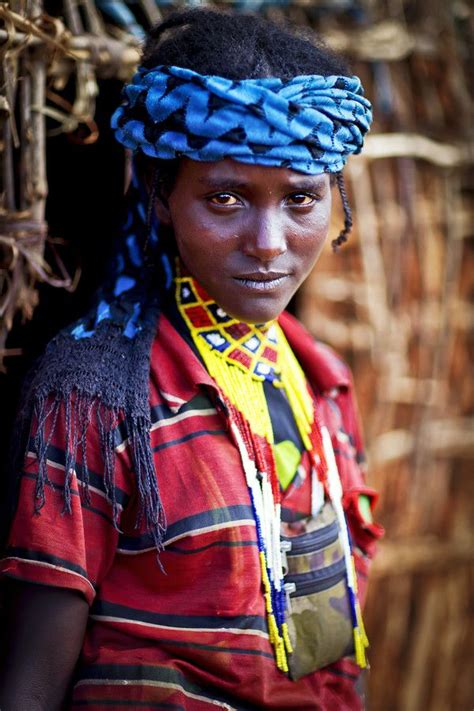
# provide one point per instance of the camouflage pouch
(319, 620)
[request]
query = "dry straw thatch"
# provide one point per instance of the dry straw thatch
(394, 302)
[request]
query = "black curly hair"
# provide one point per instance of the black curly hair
(237, 46)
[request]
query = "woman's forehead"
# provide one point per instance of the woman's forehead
(231, 172)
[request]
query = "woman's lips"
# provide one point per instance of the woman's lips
(262, 281)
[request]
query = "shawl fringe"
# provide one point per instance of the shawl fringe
(100, 383)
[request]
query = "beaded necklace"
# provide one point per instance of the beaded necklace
(240, 357)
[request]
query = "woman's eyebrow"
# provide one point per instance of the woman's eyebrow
(229, 183)
(306, 183)
(222, 183)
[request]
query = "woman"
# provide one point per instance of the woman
(186, 533)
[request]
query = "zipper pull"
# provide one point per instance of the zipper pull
(285, 547)
(317, 493)
(289, 588)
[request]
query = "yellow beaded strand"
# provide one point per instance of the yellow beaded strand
(278, 642)
(361, 641)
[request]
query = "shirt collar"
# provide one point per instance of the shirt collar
(321, 365)
(177, 371)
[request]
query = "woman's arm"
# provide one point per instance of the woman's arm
(45, 630)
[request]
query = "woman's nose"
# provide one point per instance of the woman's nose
(265, 236)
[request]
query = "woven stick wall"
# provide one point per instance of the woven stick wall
(394, 301)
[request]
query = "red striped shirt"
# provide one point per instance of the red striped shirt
(195, 636)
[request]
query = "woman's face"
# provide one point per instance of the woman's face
(249, 234)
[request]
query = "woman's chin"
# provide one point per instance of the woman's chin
(256, 311)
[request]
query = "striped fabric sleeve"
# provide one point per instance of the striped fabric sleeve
(52, 546)
(364, 531)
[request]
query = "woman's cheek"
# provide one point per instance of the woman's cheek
(309, 243)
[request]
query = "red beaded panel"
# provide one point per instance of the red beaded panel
(240, 357)
(238, 330)
(270, 354)
(198, 316)
(202, 293)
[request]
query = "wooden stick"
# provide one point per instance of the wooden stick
(151, 11)
(393, 145)
(25, 196)
(38, 147)
(93, 19)
(73, 19)
(8, 180)
(386, 41)
(375, 281)
(421, 554)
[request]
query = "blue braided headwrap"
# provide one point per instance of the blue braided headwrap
(100, 365)
(310, 124)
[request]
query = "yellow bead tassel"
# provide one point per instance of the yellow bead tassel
(361, 641)
(276, 640)
(286, 638)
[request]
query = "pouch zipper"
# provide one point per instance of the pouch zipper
(306, 586)
(314, 541)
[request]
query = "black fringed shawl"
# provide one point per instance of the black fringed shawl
(100, 367)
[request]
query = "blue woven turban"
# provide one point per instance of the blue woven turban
(310, 123)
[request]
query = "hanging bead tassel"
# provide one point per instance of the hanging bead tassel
(335, 492)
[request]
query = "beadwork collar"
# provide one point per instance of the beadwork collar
(253, 348)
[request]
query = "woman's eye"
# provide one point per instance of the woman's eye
(223, 199)
(302, 199)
